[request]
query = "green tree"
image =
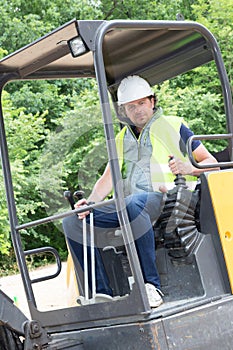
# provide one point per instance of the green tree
(217, 16)
(24, 21)
(24, 131)
(143, 9)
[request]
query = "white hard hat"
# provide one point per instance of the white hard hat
(133, 88)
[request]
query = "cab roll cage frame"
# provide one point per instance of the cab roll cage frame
(93, 34)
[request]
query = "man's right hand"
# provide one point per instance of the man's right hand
(82, 202)
(163, 189)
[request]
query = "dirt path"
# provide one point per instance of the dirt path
(51, 294)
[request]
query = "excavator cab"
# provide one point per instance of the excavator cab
(194, 233)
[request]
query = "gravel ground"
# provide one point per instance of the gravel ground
(51, 294)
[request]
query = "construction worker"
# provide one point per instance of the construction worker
(144, 146)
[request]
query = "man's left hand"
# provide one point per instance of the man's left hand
(177, 166)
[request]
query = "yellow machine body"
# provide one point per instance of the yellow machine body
(221, 192)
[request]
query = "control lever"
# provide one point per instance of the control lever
(179, 179)
(68, 196)
(78, 194)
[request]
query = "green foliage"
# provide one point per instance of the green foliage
(217, 16)
(2, 53)
(24, 133)
(32, 96)
(25, 21)
(200, 104)
(74, 155)
(153, 9)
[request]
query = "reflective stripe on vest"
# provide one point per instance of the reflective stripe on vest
(165, 140)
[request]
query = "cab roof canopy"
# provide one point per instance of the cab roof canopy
(157, 50)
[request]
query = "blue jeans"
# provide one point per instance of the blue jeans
(143, 209)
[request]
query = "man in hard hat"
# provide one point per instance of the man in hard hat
(145, 145)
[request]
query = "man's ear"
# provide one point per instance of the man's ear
(155, 100)
(121, 111)
(152, 98)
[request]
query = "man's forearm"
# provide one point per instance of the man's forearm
(101, 189)
(210, 160)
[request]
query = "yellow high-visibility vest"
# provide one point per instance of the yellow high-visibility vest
(165, 140)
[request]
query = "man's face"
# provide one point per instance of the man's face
(140, 111)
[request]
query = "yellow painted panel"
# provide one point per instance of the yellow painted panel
(221, 191)
(72, 287)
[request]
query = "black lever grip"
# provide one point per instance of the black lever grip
(68, 196)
